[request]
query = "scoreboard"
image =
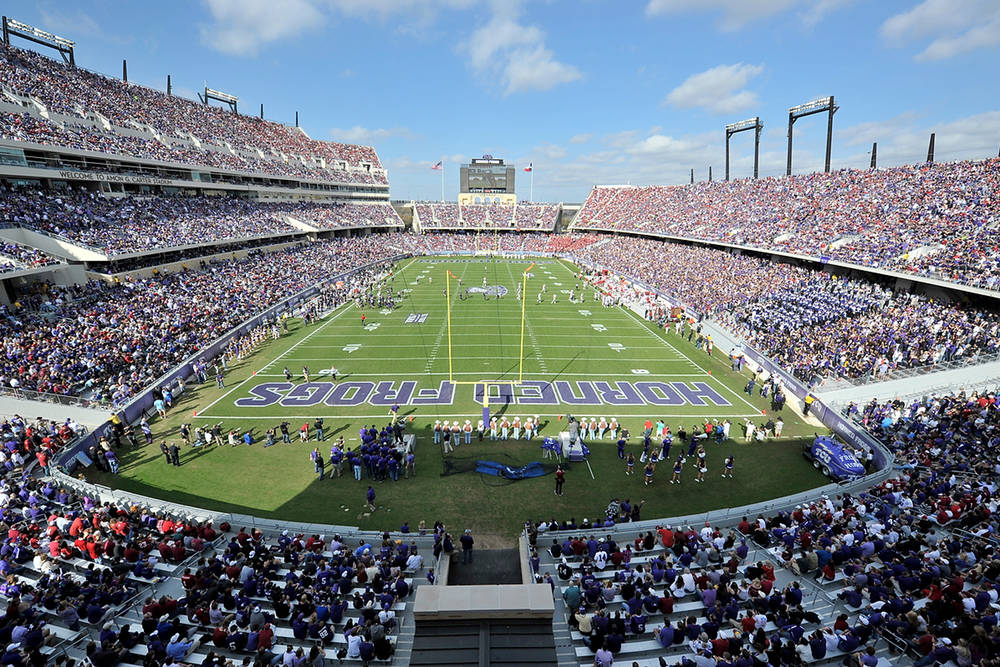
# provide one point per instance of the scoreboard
(487, 175)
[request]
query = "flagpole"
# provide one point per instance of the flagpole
(442, 181)
(531, 197)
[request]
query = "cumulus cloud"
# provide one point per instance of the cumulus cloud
(735, 13)
(243, 27)
(953, 28)
(580, 138)
(516, 53)
(719, 89)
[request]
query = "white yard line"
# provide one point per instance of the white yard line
(346, 307)
(358, 357)
(620, 376)
(547, 346)
(668, 344)
(376, 412)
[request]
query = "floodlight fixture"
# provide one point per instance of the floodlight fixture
(15, 28)
(749, 124)
(219, 96)
(818, 105)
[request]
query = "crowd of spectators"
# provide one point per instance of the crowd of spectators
(121, 225)
(15, 256)
(439, 242)
(814, 324)
(936, 220)
(108, 341)
(852, 328)
(448, 215)
(912, 561)
(339, 215)
(226, 139)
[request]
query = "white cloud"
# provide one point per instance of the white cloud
(548, 152)
(516, 53)
(717, 90)
(75, 22)
(953, 27)
(242, 26)
(367, 136)
(816, 11)
(580, 138)
(735, 13)
(903, 139)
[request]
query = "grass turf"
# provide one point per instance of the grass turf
(563, 342)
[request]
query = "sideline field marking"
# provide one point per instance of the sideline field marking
(489, 344)
(406, 375)
(357, 357)
(345, 308)
(670, 345)
(465, 415)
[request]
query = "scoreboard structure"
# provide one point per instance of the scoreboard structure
(486, 180)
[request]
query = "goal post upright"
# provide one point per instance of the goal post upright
(524, 300)
(447, 290)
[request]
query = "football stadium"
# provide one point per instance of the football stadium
(261, 406)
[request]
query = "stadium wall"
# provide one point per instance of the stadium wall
(933, 286)
(724, 516)
(829, 417)
(143, 403)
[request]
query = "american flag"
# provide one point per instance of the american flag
(528, 168)
(438, 166)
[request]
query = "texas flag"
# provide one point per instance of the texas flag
(438, 166)
(528, 168)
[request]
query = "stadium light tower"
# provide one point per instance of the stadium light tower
(749, 124)
(219, 96)
(33, 34)
(808, 109)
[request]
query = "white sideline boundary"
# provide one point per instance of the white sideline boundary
(693, 363)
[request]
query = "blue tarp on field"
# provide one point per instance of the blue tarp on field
(533, 469)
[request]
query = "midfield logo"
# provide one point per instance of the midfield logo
(532, 392)
(489, 290)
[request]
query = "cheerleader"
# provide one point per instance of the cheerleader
(678, 468)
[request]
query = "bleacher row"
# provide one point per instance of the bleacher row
(447, 216)
(46, 102)
(120, 225)
(216, 598)
(886, 570)
(935, 220)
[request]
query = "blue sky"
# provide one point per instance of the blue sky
(589, 91)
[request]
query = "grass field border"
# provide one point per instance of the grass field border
(222, 478)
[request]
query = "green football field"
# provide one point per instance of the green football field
(578, 358)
